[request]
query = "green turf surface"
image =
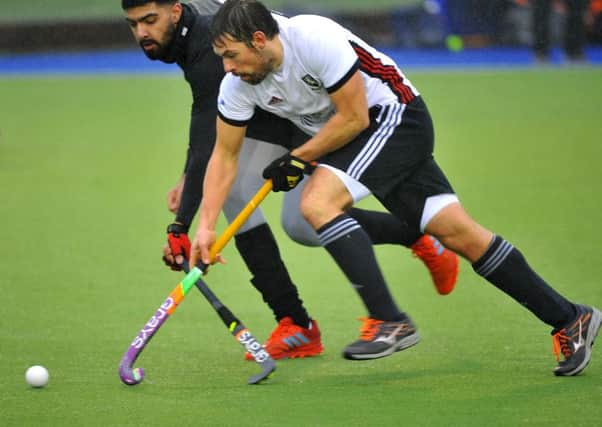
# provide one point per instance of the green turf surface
(84, 167)
(43, 10)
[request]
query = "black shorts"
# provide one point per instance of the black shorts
(393, 157)
(268, 127)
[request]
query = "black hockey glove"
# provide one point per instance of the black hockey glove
(286, 172)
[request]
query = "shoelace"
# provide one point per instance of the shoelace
(369, 329)
(560, 344)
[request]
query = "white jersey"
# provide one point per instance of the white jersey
(319, 57)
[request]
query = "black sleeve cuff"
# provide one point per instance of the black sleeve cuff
(237, 123)
(345, 78)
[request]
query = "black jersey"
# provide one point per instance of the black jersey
(191, 49)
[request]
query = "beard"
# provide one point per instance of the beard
(253, 79)
(160, 49)
(154, 54)
(259, 75)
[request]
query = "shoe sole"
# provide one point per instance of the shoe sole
(407, 342)
(595, 323)
(298, 354)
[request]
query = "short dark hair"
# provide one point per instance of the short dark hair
(127, 4)
(239, 19)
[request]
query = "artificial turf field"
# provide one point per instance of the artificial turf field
(85, 164)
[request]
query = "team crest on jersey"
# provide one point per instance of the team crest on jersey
(311, 82)
(275, 100)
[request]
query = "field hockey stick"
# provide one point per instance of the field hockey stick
(240, 333)
(132, 376)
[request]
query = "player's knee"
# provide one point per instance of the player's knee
(298, 230)
(312, 211)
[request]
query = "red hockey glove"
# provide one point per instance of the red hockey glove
(179, 244)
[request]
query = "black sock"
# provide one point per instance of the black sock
(351, 248)
(505, 267)
(383, 227)
(260, 252)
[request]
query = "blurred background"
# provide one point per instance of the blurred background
(67, 25)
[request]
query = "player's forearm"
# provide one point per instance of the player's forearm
(350, 119)
(200, 147)
(192, 187)
(337, 132)
(190, 199)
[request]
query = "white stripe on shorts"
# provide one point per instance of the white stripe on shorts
(392, 119)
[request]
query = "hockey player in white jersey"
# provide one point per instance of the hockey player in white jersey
(371, 134)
